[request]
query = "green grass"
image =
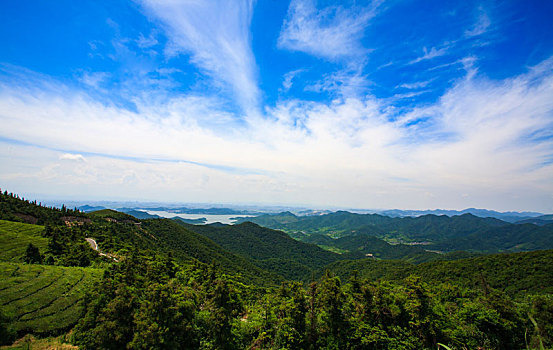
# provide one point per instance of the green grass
(16, 236)
(30, 342)
(43, 299)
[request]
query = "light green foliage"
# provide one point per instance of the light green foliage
(15, 238)
(43, 299)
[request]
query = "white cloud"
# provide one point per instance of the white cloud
(430, 54)
(217, 36)
(345, 83)
(416, 85)
(288, 79)
(146, 42)
(481, 26)
(71, 156)
(483, 138)
(94, 79)
(332, 33)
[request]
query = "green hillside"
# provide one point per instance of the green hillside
(172, 286)
(13, 208)
(15, 237)
(513, 237)
(360, 245)
(183, 244)
(438, 233)
(112, 214)
(269, 249)
(43, 299)
(515, 273)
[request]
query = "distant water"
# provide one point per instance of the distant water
(224, 219)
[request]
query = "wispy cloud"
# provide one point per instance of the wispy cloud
(345, 83)
(482, 138)
(146, 42)
(72, 156)
(94, 79)
(288, 79)
(416, 85)
(217, 36)
(481, 26)
(332, 33)
(430, 54)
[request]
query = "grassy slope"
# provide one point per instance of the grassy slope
(16, 236)
(44, 299)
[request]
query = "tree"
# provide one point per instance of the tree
(32, 255)
(164, 319)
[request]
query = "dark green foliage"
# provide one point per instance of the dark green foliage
(138, 306)
(523, 237)
(7, 333)
(172, 288)
(13, 208)
(515, 273)
(67, 246)
(444, 233)
(542, 315)
(269, 249)
(112, 214)
(32, 255)
(359, 245)
(185, 245)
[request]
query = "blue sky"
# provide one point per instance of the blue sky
(382, 104)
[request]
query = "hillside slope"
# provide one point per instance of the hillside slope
(185, 244)
(43, 299)
(15, 237)
(515, 273)
(443, 233)
(269, 249)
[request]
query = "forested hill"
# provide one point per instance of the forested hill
(269, 249)
(185, 244)
(463, 232)
(119, 234)
(160, 284)
(515, 273)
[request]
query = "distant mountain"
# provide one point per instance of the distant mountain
(441, 233)
(207, 211)
(112, 214)
(509, 238)
(538, 220)
(88, 208)
(199, 221)
(509, 216)
(139, 214)
(274, 221)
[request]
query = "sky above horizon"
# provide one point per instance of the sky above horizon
(357, 104)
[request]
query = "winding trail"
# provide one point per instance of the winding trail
(94, 246)
(92, 243)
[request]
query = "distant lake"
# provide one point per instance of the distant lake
(224, 219)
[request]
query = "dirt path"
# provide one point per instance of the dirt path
(92, 243)
(94, 246)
